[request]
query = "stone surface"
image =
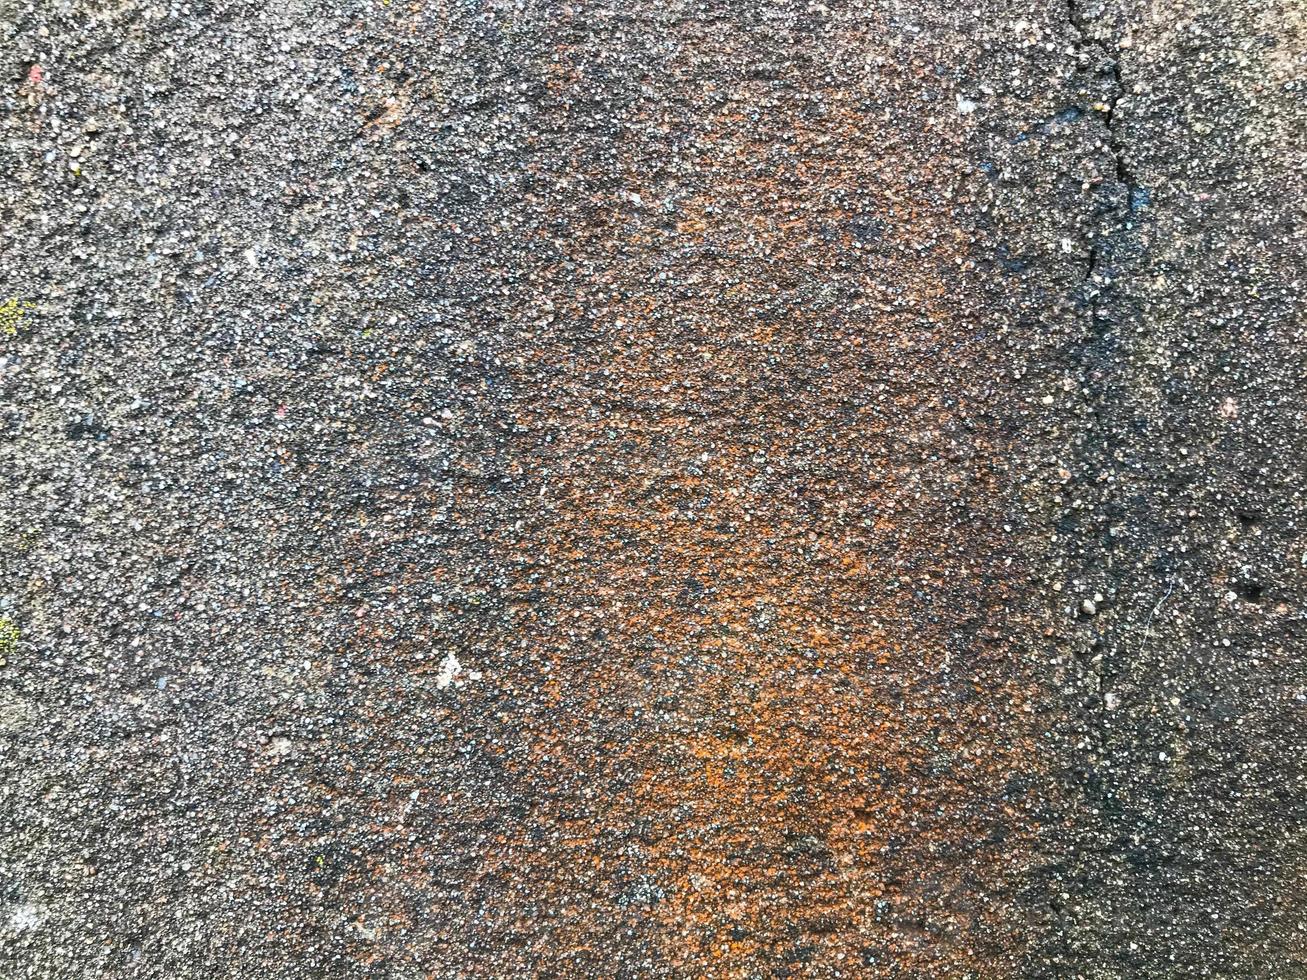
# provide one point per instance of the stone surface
(695, 489)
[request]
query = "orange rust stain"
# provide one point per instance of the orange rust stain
(741, 544)
(767, 709)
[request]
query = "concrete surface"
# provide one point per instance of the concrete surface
(715, 489)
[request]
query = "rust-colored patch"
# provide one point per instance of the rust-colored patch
(756, 573)
(726, 507)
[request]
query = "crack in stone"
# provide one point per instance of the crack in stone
(1094, 58)
(1084, 46)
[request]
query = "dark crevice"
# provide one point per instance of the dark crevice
(1087, 49)
(1098, 356)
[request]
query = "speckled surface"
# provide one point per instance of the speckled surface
(680, 490)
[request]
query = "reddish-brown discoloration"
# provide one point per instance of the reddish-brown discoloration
(757, 544)
(729, 559)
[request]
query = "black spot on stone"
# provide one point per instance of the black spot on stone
(86, 427)
(1249, 591)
